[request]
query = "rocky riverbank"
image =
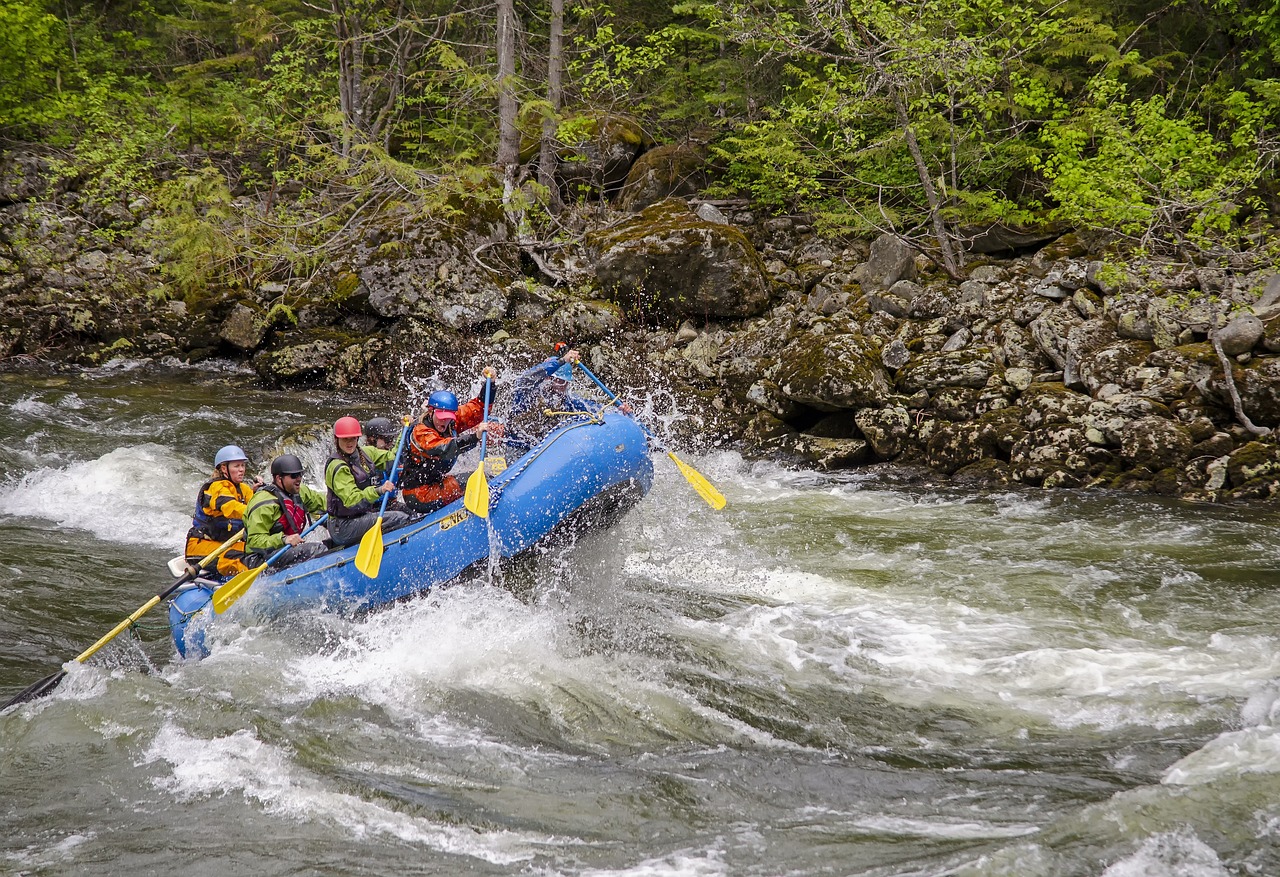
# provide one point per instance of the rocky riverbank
(1053, 363)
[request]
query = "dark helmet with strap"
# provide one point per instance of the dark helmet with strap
(286, 464)
(380, 428)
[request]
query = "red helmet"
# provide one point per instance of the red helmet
(347, 427)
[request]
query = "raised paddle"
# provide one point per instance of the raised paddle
(714, 498)
(234, 588)
(476, 498)
(48, 683)
(369, 555)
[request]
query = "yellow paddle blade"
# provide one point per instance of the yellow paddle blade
(369, 555)
(495, 466)
(714, 498)
(235, 588)
(476, 499)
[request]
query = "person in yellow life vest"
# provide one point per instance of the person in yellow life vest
(220, 507)
(354, 496)
(280, 513)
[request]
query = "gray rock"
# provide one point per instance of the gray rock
(766, 395)
(667, 262)
(587, 320)
(887, 430)
(1240, 334)
(906, 289)
(973, 293)
(1051, 290)
(957, 341)
(833, 373)
(710, 213)
(895, 355)
(971, 367)
(930, 305)
(887, 304)
(1018, 378)
(989, 274)
(891, 260)
(1155, 443)
(1096, 276)
(243, 328)
(1050, 331)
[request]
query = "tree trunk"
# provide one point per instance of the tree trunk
(508, 107)
(555, 63)
(950, 261)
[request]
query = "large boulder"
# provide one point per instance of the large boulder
(1155, 443)
(833, 373)
(672, 170)
(891, 259)
(666, 264)
(969, 367)
(442, 288)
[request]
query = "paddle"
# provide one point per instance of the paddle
(714, 498)
(369, 555)
(48, 683)
(476, 499)
(234, 589)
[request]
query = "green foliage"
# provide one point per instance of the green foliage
(1159, 177)
(191, 237)
(32, 55)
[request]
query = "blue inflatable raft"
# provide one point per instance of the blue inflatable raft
(585, 474)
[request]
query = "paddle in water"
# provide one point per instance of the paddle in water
(705, 489)
(476, 498)
(48, 683)
(234, 589)
(369, 554)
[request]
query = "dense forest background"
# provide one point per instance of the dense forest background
(1153, 121)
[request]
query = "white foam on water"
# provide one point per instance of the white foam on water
(948, 830)
(240, 763)
(1235, 753)
(927, 649)
(129, 495)
(411, 658)
(683, 863)
(33, 859)
(1170, 854)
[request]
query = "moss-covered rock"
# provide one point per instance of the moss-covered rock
(970, 367)
(667, 264)
(672, 170)
(830, 374)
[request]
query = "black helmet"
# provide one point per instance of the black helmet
(380, 427)
(286, 464)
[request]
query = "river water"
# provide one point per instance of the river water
(832, 676)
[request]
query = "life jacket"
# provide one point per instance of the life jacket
(293, 518)
(362, 469)
(428, 464)
(217, 527)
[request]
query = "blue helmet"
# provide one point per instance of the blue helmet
(564, 372)
(229, 454)
(442, 400)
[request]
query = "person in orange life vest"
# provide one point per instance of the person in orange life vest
(434, 446)
(220, 507)
(279, 513)
(354, 497)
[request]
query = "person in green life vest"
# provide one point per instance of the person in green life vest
(279, 513)
(354, 496)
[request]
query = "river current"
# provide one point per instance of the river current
(831, 676)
